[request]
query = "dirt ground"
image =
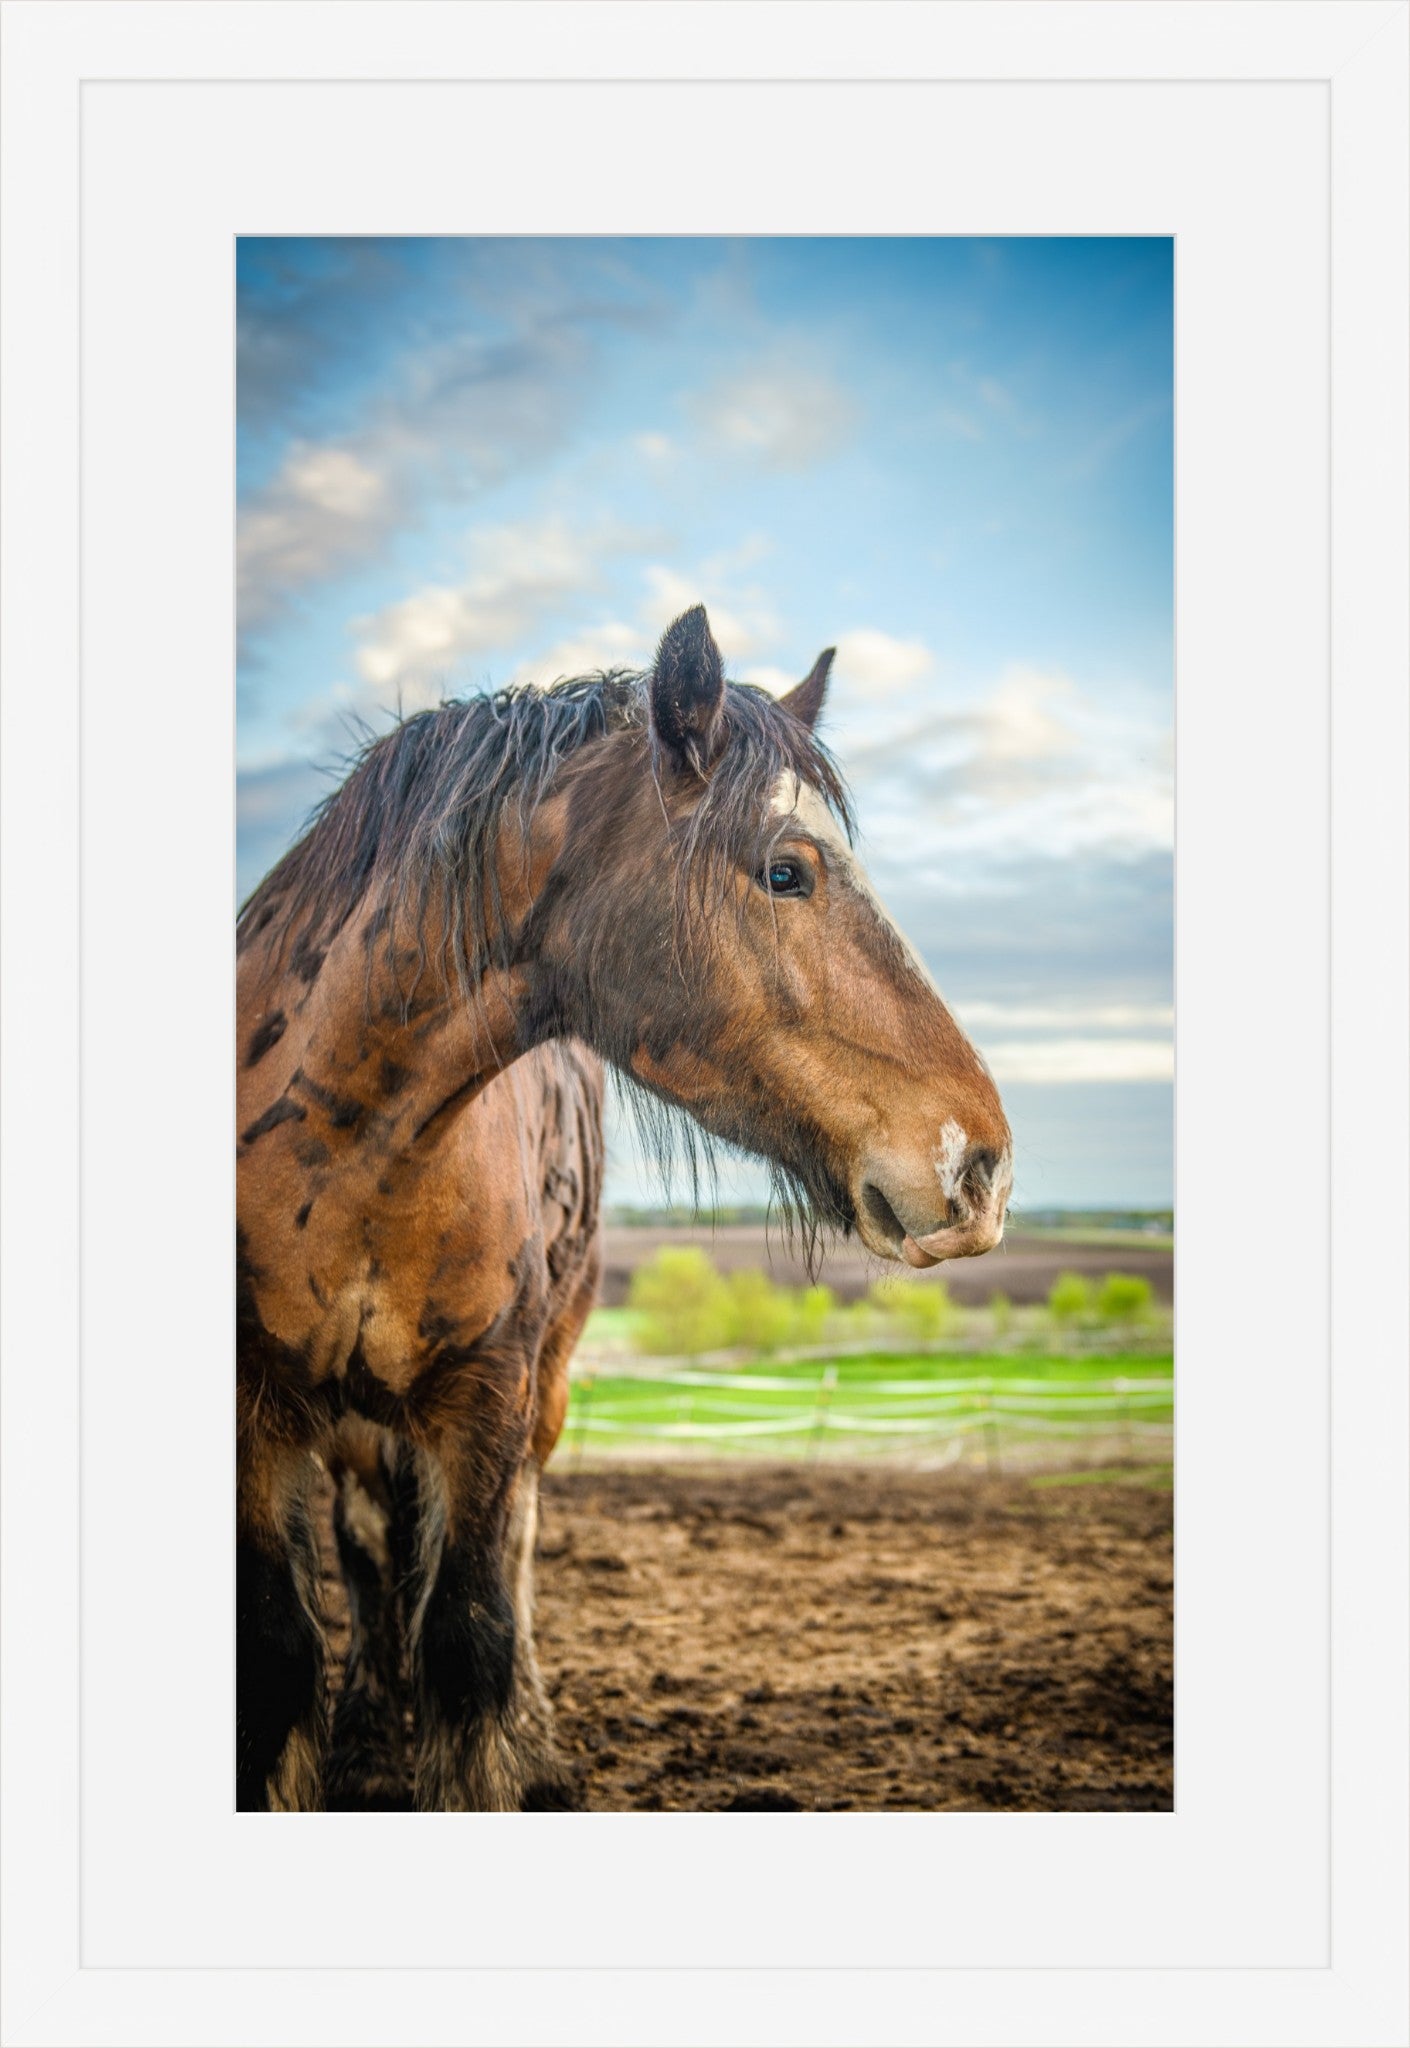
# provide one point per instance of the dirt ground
(834, 1637)
(1023, 1268)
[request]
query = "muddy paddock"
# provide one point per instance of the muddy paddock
(844, 1637)
(858, 1637)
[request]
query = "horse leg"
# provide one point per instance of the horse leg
(280, 1711)
(484, 1726)
(548, 1779)
(551, 1780)
(368, 1764)
(464, 1656)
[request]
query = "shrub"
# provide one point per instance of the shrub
(1001, 1314)
(923, 1310)
(1070, 1299)
(1124, 1298)
(684, 1304)
(812, 1308)
(854, 1322)
(762, 1316)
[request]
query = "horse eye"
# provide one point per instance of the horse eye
(781, 878)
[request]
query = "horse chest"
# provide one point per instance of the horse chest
(373, 1304)
(389, 1270)
(392, 1329)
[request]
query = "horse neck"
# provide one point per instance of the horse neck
(373, 1034)
(389, 1020)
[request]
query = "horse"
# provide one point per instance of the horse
(649, 871)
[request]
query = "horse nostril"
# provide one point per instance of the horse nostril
(979, 1168)
(882, 1214)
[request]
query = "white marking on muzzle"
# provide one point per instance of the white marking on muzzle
(949, 1160)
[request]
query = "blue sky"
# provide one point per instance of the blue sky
(465, 461)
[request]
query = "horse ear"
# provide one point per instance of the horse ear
(688, 690)
(805, 699)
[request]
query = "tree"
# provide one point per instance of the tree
(1070, 1300)
(1124, 1298)
(684, 1304)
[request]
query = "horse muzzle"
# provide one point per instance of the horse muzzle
(956, 1240)
(973, 1223)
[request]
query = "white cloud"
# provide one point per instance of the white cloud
(454, 413)
(517, 573)
(874, 664)
(1073, 1041)
(655, 447)
(783, 416)
(1032, 765)
(429, 629)
(1022, 720)
(325, 508)
(613, 644)
(1057, 1060)
(408, 652)
(1074, 1018)
(777, 681)
(741, 621)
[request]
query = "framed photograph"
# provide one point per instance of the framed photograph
(476, 420)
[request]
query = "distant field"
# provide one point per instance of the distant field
(1095, 1234)
(1024, 1267)
(611, 1328)
(863, 1368)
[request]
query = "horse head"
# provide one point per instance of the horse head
(703, 921)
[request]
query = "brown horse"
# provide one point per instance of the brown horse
(656, 867)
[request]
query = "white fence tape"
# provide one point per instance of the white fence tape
(920, 1408)
(760, 1383)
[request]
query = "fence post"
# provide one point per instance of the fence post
(585, 1385)
(991, 1426)
(825, 1387)
(1123, 1388)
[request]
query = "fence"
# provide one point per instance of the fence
(1023, 1420)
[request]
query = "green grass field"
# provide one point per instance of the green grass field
(877, 1401)
(732, 1364)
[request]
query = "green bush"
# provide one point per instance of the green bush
(684, 1304)
(762, 1316)
(812, 1308)
(1070, 1300)
(1124, 1298)
(853, 1322)
(924, 1310)
(1001, 1314)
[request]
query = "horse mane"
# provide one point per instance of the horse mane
(417, 815)
(415, 824)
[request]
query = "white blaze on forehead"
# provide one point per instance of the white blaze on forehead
(794, 799)
(949, 1159)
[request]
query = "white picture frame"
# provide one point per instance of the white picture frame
(1271, 140)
